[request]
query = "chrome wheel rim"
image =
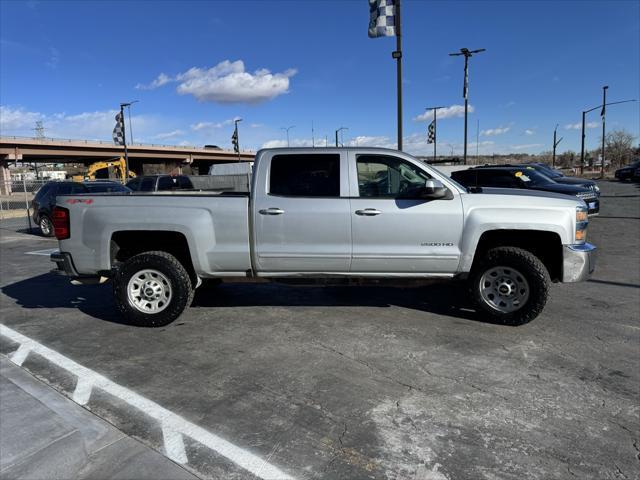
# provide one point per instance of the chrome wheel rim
(149, 291)
(504, 289)
(45, 225)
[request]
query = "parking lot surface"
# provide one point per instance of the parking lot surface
(362, 382)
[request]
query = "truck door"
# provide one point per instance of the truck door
(395, 231)
(301, 216)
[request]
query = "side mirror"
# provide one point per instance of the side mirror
(434, 189)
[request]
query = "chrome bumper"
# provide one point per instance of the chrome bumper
(578, 262)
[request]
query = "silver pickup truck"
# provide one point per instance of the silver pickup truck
(327, 213)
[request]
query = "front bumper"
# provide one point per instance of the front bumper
(578, 262)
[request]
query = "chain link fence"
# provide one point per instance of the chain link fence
(15, 204)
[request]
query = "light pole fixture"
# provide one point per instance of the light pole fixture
(338, 131)
(286, 129)
(603, 114)
(465, 91)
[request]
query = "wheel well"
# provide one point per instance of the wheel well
(547, 246)
(125, 245)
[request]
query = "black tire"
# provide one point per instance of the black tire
(529, 267)
(46, 226)
(178, 278)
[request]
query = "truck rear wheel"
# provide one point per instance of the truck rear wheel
(510, 285)
(152, 289)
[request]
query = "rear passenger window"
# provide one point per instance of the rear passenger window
(147, 185)
(166, 183)
(310, 175)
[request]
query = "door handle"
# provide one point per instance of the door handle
(368, 212)
(271, 211)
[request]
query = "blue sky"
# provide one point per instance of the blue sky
(277, 64)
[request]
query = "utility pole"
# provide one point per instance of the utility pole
(435, 129)
(477, 139)
(555, 144)
(313, 138)
(338, 131)
(603, 114)
(397, 54)
(286, 129)
(584, 113)
(465, 92)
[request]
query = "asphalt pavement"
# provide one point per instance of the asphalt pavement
(346, 382)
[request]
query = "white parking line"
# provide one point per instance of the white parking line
(174, 427)
(45, 252)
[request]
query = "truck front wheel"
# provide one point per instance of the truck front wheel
(152, 289)
(510, 285)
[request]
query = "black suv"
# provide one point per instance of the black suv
(630, 172)
(559, 177)
(160, 183)
(44, 201)
(523, 177)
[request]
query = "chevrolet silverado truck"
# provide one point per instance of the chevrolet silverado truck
(329, 213)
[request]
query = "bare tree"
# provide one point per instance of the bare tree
(619, 147)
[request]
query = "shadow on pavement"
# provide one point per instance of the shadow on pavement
(54, 291)
(50, 291)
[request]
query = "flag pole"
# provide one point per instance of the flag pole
(398, 56)
(435, 132)
(124, 143)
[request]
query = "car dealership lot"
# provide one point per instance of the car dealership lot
(362, 382)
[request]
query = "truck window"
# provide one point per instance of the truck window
(166, 183)
(388, 177)
(496, 179)
(134, 184)
(305, 175)
(147, 184)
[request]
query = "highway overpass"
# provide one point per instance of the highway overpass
(143, 158)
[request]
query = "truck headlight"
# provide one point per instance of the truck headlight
(582, 221)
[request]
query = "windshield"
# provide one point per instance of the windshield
(532, 177)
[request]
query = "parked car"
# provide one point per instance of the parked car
(559, 177)
(524, 178)
(327, 213)
(160, 183)
(45, 199)
(630, 172)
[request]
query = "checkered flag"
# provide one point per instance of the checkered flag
(431, 132)
(118, 130)
(234, 140)
(382, 20)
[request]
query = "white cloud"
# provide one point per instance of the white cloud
(494, 131)
(162, 79)
(526, 146)
(446, 112)
(12, 119)
(211, 125)
(529, 131)
(167, 135)
(54, 58)
(370, 141)
(227, 82)
(578, 126)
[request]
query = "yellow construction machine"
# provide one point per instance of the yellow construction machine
(118, 165)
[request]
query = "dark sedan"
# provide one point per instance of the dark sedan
(45, 199)
(630, 172)
(527, 178)
(559, 177)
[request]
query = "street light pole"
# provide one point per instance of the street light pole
(286, 129)
(555, 144)
(338, 131)
(465, 92)
(584, 113)
(603, 114)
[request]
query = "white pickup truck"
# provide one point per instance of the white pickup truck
(327, 213)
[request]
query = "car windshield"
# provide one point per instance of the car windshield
(548, 171)
(106, 187)
(532, 177)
